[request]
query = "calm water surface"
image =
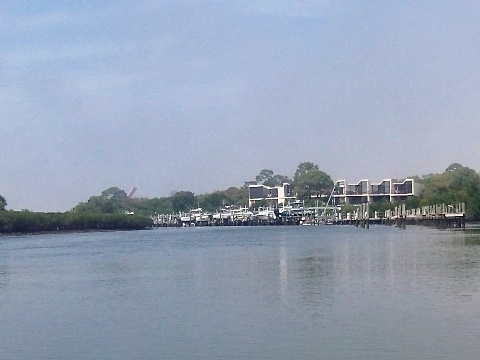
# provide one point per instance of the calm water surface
(306, 292)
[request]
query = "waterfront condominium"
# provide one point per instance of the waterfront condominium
(366, 191)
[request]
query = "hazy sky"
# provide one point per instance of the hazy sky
(202, 95)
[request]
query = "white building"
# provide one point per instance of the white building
(274, 195)
(368, 192)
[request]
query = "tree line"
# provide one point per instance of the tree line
(112, 209)
(308, 178)
(456, 184)
(34, 222)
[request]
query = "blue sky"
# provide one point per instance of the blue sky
(202, 95)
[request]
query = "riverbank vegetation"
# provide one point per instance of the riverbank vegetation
(456, 184)
(35, 222)
(307, 179)
(113, 209)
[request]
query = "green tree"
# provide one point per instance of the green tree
(114, 193)
(268, 178)
(265, 176)
(348, 208)
(112, 200)
(183, 201)
(31, 222)
(3, 203)
(212, 201)
(236, 196)
(453, 167)
(161, 205)
(412, 202)
(280, 179)
(246, 184)
(457, 184)
(309, 180)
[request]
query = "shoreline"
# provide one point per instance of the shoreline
(59, 232)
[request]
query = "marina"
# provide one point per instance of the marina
(231, 216)
(296, 213)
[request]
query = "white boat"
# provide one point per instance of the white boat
(241, 214)
(295, 208)
(265, 214)
(223, 214)
(199, 216)
(186, 218)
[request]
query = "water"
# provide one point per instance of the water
(303, 292)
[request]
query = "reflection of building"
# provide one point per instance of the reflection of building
(274, 195)
(366, 191)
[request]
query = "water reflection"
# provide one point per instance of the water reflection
(449, 264)
(283, 264)
(316, 277)
(4, 276)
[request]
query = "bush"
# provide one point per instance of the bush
(31, 222)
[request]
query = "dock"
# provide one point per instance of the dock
(440, 216)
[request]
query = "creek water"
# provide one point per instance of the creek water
(279, 292)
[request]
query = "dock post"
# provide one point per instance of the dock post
(367, 217)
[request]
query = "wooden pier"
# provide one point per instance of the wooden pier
(441, 216)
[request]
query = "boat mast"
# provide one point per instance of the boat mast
(324, 213)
